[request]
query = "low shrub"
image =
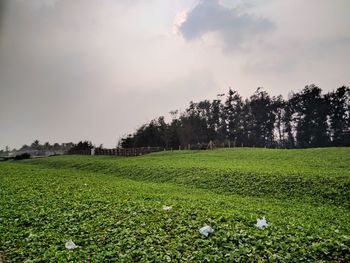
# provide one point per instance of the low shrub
(22, 156)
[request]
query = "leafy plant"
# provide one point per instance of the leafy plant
(112, 207)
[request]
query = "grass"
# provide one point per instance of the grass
(111, 207)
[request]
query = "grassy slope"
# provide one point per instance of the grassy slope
(304, 194)
(315, 175)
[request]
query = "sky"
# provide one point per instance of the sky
(96, 70)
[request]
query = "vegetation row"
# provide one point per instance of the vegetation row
(306, 119)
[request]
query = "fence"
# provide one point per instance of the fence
(118, 151)
(146, 150)
(127, 151)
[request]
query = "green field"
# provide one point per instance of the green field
(111, 207)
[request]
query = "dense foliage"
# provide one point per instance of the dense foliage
(22, 156)
(111, 207)
(307, 119)
(81, 146)
(36, 145)
(37, 149)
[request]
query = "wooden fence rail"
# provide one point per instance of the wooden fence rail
(146, 150)
(117, 151)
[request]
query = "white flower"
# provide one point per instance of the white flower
(261, 223)
(206, 230)
(70, 245)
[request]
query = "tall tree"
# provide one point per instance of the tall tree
(279, 112)
(173, 133)
(288, 125)
(35, 144)
(214, 120)
(234, 111)
(194, 127)
(339, 113)
(306, 119)
(263, 118)
(311, 109)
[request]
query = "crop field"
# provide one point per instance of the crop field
(150, 208)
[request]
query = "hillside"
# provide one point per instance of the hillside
(111, 207)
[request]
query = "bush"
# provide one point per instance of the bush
(22, 156)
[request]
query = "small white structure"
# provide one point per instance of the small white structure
(261, 223)
(206, 230)
(70, 245)
(167, 208)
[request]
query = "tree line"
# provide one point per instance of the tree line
(39, 148)
(307, 118)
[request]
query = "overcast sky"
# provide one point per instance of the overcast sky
(98, 69)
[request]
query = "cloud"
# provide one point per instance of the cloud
(73, 70)
(209, 16)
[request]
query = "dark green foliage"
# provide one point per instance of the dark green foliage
(263, 119)
(233, 111)
(80, 147)
(307, 119)
(339, 107)
(22, 156)
(311, 110)
(46, 146)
